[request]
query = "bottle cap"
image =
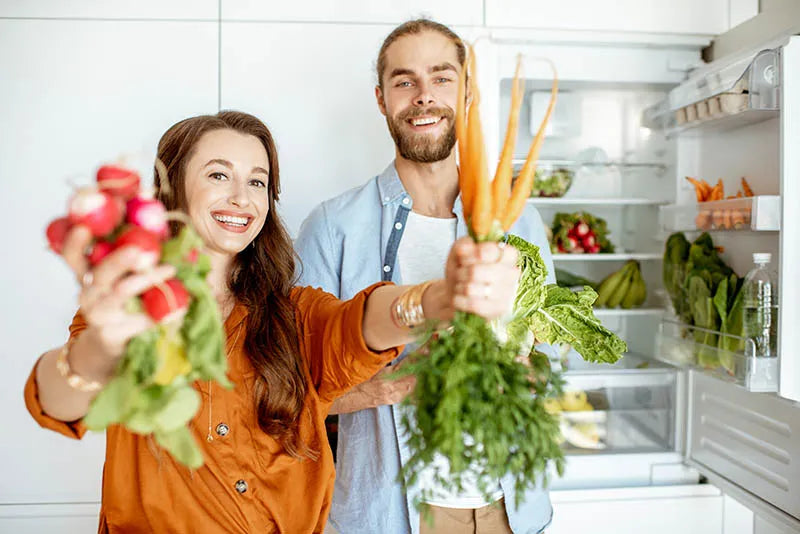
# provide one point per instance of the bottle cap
(762, 257)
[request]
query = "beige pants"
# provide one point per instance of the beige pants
(490, 519)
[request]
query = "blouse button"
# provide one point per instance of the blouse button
(386, 268)
(223, 429)
(398, 226)
(241, 486)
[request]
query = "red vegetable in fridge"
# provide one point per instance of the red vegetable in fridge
(166, 302)
(135, 236)
(57, 233)
(148, 213)
(118, 181)
(96, 210)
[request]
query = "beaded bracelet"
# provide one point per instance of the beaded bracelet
(73, 380)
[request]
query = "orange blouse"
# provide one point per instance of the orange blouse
(248, 484)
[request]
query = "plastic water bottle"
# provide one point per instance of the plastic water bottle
(761, 307)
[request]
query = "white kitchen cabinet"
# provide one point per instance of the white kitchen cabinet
(693, 509)
(708, 17)
(451, 12)
(74, 94)
(72, 518)
(315, 92)
(111, 9)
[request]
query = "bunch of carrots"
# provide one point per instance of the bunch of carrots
(706, 193)
(491, 208)
(720, 217)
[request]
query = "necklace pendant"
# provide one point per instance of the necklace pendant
(209, 437)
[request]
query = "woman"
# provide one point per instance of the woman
(291, 351)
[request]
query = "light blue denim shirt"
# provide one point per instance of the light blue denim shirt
(346, 244)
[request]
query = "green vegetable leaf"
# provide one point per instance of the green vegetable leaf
(181, 445)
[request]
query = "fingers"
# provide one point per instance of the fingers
(115, 266)
(468, 252)
(136, 284)
(77, 241)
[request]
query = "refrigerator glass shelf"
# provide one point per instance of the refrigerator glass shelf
(605, 256)
(577, 201)
(756, 214)
(697, 348)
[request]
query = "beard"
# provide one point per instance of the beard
(422, 148)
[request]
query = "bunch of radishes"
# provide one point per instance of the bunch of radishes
(577, 233)
(580, 238)
(119, 214)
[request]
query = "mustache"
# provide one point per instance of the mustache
(413, 113)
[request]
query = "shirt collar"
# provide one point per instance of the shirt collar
(390, 187)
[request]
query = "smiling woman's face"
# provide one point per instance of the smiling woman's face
(226, 190)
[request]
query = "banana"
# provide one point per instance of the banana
(608, 286)
(637, 291)
(629, 299)
(621, 290)
(641, 294)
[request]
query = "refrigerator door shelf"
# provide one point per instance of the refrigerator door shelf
(683, 346)
(725, 95)
(754, 214)
(750, 439)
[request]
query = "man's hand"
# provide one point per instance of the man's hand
(380, 390)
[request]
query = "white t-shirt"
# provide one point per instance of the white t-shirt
(422, 256)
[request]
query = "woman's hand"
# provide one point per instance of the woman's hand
(105, 290)
(482, 277)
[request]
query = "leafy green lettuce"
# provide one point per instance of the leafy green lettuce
(557, 315)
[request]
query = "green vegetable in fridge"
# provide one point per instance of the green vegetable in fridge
(567, 279)
(676, 254)
(551, 183)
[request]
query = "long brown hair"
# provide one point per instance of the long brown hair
(261, 277)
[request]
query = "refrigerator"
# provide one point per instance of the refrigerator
(632, 121)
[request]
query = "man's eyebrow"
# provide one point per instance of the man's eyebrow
(442, 67)
(401, 72)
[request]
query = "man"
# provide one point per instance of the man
(399, 227)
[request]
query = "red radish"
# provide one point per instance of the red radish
(581, 229)
(594, 249)
(147, 242)
(96, 210)
(573, 244)
(100, 250)
(166, 302)
(589, 241)
(561, 248)
(149, 214)
(118, 181)
(57, 233)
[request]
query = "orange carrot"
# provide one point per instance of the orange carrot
(747, 191)
(464, 172)
(522, 188)
(718, 192)
(701, 190)
(481, 211)
(501, 186)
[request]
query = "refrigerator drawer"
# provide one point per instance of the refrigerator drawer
(752, 440)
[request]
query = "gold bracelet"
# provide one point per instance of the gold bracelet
(73, 380)
(407, 308)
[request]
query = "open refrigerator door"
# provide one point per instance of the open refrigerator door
(615, 159)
